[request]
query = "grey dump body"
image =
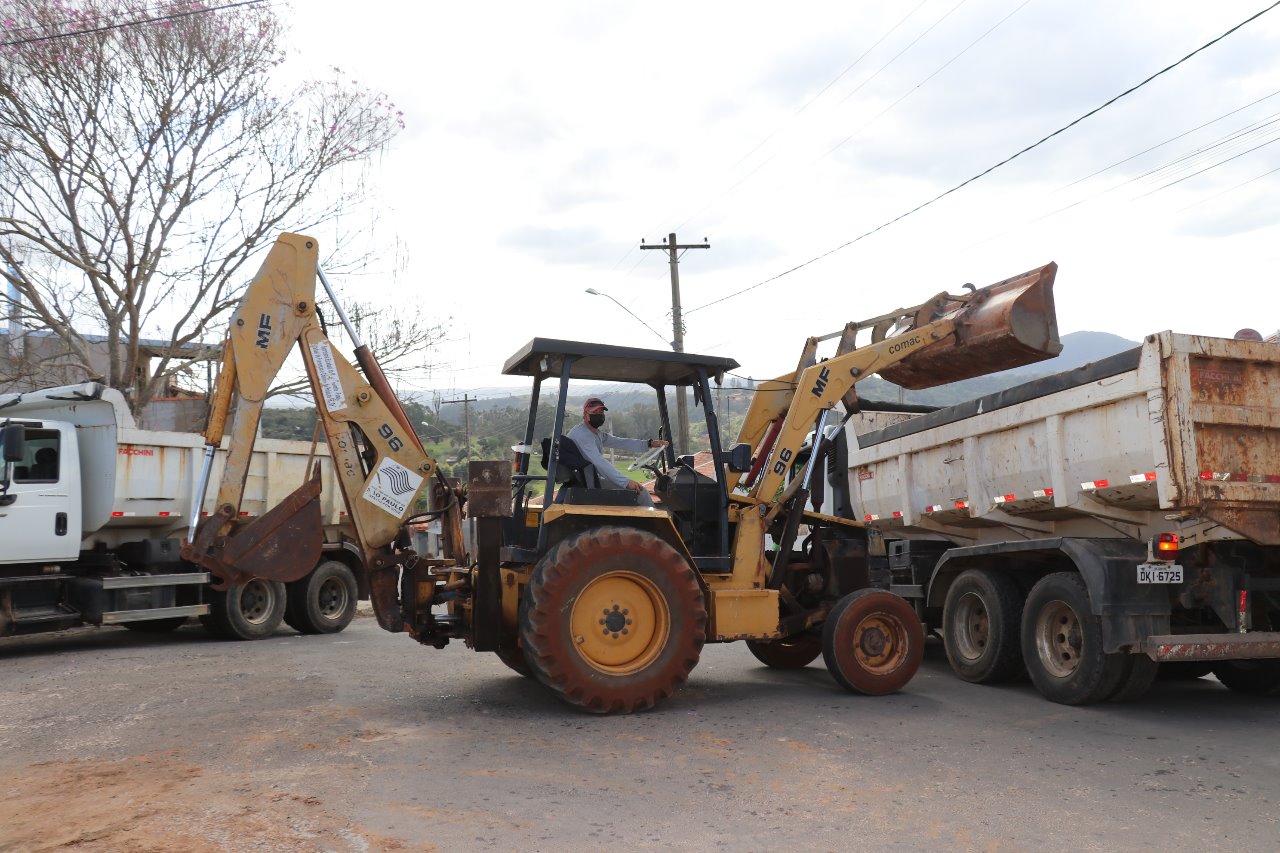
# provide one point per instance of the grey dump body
(1080, 471)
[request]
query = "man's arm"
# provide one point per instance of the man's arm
(586, 442)
(631, 445)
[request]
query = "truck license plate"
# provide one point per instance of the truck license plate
(1159, 573)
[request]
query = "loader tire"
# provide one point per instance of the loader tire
(251, 610)
(613, 620)
(323, 602)
(795, 652)
(1258, 677)
(981, 627)
(872, 642)
(1062, 643)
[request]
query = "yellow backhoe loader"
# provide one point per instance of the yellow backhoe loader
(606, 602)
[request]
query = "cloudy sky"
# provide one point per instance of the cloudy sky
(545, 140)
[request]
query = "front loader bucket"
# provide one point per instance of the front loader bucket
(1009, 324)
(283, 544)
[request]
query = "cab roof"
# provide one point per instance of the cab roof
(545, 357)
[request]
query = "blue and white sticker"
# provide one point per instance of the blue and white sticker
(391, 487)
(335, 400)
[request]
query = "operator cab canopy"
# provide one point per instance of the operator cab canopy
(544, 358)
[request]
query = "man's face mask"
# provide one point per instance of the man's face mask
(596, 420)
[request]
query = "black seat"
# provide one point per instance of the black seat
(572, 468)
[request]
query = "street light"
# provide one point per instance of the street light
(595, 292)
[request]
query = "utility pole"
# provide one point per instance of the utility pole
(466, 402)
(677, 324)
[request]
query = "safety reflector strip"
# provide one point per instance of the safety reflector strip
(897, 514)
(123, 514)
(873, 518)
(1000, 499)
(1239, 477)
(962, 504)
(1042, 493)
(169, 514)
(934, 508)
(1095, 484)
(1149, 477)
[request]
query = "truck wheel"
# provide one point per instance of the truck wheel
(1258, 677)
(981, 622)
(1062, 643)
(613, 620)
(246, 611)
(323, 602)
(156, 626)
(872, 642)
(1140, 674)
(795, 652)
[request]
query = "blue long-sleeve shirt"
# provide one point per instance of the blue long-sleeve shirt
(591, 443)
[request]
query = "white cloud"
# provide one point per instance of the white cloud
(546, 140)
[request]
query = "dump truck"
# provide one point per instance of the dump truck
(93, 511)
(606, 602)
(1084, 527)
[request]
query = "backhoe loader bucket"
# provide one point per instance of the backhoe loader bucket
(281, 545)
(1009, 324)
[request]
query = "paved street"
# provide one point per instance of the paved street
(366, 741)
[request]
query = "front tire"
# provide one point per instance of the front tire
(246, 611)
(613, 620)
(981, 624)
(872, 642)
(324, 602)
(795, 652)
(1062, 643)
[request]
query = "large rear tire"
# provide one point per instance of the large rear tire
(981, 624)
(1062, 643)
(795, 652)
(872, 642)
(1140, 674)
(251, 610)
(1258, 677)
(324, 602)
(613, 620)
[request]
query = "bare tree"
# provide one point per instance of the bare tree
(146, 157)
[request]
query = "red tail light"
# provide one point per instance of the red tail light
(1167, 546)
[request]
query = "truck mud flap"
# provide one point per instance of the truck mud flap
(1008, 324)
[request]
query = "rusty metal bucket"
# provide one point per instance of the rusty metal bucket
(283, 544)
(1008, 324)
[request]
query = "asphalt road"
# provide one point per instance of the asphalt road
(366, 741)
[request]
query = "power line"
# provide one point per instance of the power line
(124, 24)
(992, 168)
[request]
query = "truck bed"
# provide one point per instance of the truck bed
(1179, 435)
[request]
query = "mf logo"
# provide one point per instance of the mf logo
(820, 386)
(264, 331)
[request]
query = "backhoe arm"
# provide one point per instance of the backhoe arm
(380, 463)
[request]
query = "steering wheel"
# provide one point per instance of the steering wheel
(644, 461)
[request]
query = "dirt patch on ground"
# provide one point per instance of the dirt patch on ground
(160, 803)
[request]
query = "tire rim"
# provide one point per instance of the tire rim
(332, 598)
(257, 600)
(880, 643)
(1059, 639)
(620, 623)
(973, 627)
